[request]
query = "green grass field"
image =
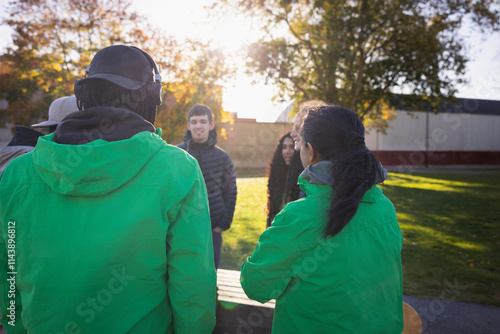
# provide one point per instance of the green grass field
(450, 223)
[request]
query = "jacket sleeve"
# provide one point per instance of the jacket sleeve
(269, 270)
(191, 276)
(229, 193)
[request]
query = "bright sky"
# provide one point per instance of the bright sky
(190, 19)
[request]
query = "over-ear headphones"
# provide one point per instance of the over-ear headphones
(154, 89)
(77, 90)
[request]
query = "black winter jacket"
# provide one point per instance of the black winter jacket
(220, 178)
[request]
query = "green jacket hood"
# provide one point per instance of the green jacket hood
(95, 168)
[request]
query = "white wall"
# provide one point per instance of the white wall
(447, 132)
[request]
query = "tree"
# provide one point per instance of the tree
(54, 41)
(358, 54)
(199, 81)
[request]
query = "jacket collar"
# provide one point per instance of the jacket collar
(211, 141)
(315, 180)
(319, 173)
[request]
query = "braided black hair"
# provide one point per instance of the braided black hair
(99, 92)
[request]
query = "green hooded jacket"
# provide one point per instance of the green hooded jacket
(106, 237)
(349, 283)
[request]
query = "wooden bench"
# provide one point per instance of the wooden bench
(235, 312)
(229, 289)
(238, 314)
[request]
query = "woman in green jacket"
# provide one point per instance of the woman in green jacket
(332, 260)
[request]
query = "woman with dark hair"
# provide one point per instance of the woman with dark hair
(283, 172)
(332, 260)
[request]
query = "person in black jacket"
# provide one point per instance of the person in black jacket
(217, 168)
(24, 141)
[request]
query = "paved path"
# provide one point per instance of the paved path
(441, 317)
(438, 316)
(446, 317)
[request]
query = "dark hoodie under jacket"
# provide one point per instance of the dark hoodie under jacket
(107, 123)
(220, 178)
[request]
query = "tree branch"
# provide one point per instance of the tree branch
(359, 79)
(296, 84)
(308, 44)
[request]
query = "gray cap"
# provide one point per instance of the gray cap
(58, 110)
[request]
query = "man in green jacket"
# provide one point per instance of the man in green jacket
(105, 228)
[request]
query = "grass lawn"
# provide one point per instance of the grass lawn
(248, 223)
(450, 223)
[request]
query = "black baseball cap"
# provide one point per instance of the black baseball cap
(126, 66)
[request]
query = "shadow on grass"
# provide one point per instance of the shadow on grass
(451, 229)
(235, 256)
(449, 221)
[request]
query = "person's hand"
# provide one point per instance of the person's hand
(217, 229)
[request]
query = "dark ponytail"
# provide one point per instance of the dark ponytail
(337, 134)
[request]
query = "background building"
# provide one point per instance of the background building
(464, 134)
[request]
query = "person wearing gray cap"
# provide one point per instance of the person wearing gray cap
(24, 139)
(58, 109)
(117, 237)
